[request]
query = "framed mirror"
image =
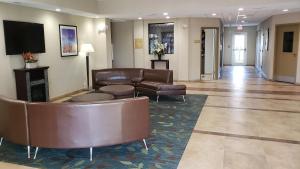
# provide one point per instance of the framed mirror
(161, 33)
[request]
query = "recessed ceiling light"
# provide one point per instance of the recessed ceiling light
(140, 18)
(243, 21)
(241, 9)
(57, 10)
(214, 14)
(166, 13)
(167, 17)
(245, 17)
(285, 10)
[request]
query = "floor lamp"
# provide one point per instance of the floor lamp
(87, 49)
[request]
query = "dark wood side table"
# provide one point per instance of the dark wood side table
(32, 84)
(156, 61)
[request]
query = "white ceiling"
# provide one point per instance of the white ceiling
(256, 10)
(226, 10)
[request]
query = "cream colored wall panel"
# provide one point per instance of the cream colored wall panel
(65, 74)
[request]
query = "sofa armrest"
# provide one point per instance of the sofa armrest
(136, 80)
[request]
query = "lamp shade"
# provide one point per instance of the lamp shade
(87, 48)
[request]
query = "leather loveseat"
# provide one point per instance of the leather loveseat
(74, 125)
(146, 81)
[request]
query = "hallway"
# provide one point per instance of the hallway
(247, 123)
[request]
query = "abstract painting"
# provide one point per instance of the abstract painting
(68, 40)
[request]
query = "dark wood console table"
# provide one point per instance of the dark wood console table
(156, 61)
(32, 84)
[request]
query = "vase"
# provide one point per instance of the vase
(159, 57)
(31, 65)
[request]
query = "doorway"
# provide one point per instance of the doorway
(239, 50)
(209, 53)
(286, 53)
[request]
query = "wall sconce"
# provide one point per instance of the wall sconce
(102, 27)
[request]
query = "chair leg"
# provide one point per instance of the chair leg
(91, 153)
(157, 98)
(36, 151)
(183, 97)
(28, 152)
(1, 140)
(145, 143)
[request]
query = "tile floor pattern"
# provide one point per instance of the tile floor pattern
(247, 123)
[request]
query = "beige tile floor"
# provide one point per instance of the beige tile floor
(239, 128)
(244, 130)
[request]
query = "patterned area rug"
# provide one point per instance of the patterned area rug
(172, 124)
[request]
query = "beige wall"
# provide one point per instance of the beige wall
(251, 44)
(65, 74)
(195, 47)
(268, 56)
(185, 62)
(178, 60)
(122, 40)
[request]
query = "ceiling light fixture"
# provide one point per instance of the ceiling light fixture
(245, 17)
(241, 9)
(240, 28)
(57, 10)
(140, 18)
(285, 10)
(214, 14)
(167, 17)
(165, 13)
(243, 21)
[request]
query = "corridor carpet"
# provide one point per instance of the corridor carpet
(172, 124)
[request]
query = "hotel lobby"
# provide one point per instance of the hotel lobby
(150, 84)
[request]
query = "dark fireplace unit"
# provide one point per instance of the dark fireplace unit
(32, 84)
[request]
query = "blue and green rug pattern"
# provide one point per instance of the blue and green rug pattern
(172, 123)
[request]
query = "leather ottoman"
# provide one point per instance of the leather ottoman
(119, 91)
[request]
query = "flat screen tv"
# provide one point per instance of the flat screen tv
(23, 37)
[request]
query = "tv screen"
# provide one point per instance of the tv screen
(23, 37)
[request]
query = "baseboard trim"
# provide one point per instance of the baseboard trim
(66, 95)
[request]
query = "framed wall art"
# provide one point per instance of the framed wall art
(68, 40)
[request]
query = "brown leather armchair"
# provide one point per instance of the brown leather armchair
(68, 125)
(14, 123)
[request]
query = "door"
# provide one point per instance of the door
(239, 51)
(209, 53)
(287, 37)
(261, 52)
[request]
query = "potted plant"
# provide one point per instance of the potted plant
(30, 60)
(159, 50)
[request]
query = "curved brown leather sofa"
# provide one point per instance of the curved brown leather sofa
(146, 81)
(74, 125)
(14, 122)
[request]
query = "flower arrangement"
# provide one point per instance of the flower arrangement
(29, 58)
(159, 50)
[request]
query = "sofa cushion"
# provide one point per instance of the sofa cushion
(150, 85)
(160, 76)
(161, 86)
(114, 82)
(172, 87)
